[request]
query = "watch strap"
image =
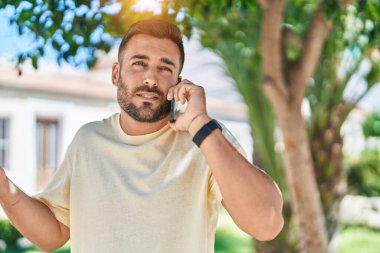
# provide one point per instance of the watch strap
(205, 131)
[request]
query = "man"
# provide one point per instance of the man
(136, 183)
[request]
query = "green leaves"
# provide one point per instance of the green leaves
(68, 26)
(371, 126)
(373, 77)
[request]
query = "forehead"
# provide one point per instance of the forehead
(152, 47)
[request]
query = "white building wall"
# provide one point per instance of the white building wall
(23, 113)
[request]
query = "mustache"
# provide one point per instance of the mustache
(149, 89)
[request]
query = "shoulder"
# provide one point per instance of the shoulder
(93, 129)
(96, 126)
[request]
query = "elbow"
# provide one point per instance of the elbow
(57, 240)
(50, 247)
(47, 248)
(268, 230)
(273, 228)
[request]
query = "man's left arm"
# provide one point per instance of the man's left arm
(250, 196)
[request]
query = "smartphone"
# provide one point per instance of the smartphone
(172, 111)
(172, 107)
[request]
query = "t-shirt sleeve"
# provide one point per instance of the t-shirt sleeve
(213, 185)
(56, 196)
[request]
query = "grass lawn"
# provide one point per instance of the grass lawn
(356, 239)
(229, 239)
(33, 249)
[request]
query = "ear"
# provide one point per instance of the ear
(115, 73)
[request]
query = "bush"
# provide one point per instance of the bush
(226, 241)
(8, 234)
(363, 175)
(371, 126)
(360, 239)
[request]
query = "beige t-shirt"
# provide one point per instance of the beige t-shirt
(135, 194)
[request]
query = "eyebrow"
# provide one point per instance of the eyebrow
(139, 56)
(145, 57)
(167, 61)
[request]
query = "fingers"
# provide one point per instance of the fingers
(182, 91)
(194, 95)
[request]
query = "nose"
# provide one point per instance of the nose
(150, 79)
(150, 82)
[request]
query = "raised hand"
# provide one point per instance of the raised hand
(196, 107)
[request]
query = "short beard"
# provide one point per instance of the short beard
(143, 113)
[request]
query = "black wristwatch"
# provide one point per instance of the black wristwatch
(205, 131)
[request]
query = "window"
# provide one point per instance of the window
(47, 150)
(4, 142)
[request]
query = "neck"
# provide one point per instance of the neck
(131, 126)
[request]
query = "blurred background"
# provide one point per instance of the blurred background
(297, 83)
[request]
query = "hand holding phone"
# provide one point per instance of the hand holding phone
(172, 106)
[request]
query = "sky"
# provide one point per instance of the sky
(11, 43)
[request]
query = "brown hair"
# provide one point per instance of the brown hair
(157, 28)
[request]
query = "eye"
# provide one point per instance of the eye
(139, 63)
(166, 69)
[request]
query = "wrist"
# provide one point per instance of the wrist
(205, 131)
(197, 123)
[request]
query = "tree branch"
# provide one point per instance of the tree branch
(264, 4)
(271, 45)
(292, 38)
(274, 95)
(312, 49)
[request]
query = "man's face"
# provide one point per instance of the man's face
(149, 67)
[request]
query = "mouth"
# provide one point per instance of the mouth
(148, 96)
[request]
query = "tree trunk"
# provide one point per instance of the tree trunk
(304, 194)
(285, 83)
(327, 153)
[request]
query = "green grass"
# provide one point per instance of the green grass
(229, 239)
(34, 249)
(354, 239)
(357, 239)
(230, 242)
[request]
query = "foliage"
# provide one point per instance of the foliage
(349, 54)
(8, 233)
(371, 126)
(353, 42)
(67, 26)
(34, 249)
(229, 242)
(10, 236)
(76, 30)
(356, 239)
(363, 175)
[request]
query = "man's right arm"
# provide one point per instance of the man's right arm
(31, 217)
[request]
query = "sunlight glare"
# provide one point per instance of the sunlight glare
(147, 5)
